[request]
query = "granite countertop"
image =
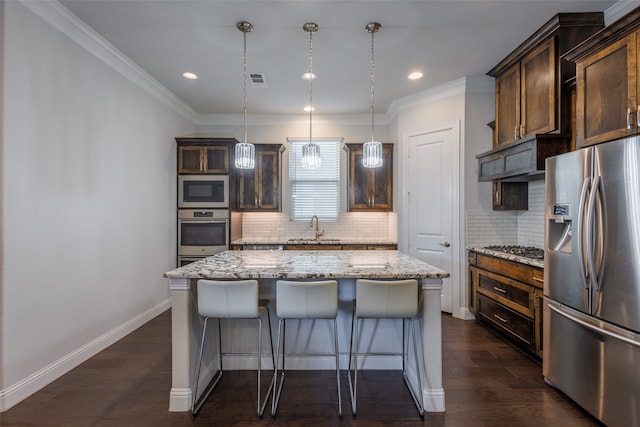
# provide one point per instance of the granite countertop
(511, 257)
(252, 264)
(308, 241)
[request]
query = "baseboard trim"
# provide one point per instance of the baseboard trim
(19, 391)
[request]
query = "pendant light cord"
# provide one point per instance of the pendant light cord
(244, 71)
(310, 83)
(373, 28)
(373, 67)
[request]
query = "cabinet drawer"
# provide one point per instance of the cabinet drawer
(513, 294)
(514, 270)
(514, 326)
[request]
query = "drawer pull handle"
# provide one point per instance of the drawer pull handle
(628, 118)
(502, 319)
(499, 289)
(537, 279)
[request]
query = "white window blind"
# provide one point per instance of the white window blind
(315, 191)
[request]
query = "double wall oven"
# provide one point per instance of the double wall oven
(203, 216)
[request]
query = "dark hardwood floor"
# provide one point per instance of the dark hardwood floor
(487, 383)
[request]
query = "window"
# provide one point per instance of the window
(315, 191)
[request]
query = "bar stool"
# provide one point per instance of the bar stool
(377, 299)
(230, 300)
(304, 300)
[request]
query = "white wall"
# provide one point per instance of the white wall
(88, 189)
(469, 102)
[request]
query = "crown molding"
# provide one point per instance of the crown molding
(470, 84)
(70, 25)
(619, 9)
(289, 119)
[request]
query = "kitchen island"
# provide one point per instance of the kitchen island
(267, 266)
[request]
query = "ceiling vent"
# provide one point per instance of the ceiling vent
(258, 80)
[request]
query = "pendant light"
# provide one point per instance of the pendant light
(245, 152)
(310, 151)
(372, 150)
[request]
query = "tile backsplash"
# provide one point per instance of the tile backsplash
(510, 227)
(364, 226)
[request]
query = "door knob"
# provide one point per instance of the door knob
(445, 244)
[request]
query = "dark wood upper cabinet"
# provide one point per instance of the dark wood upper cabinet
(608, 91)
(259, 189)
(204, 155)
(370, 189)
(526, 96)
(530, 95)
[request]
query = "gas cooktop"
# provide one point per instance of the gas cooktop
(525, 251)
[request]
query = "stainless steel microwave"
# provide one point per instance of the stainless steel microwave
(203, 191)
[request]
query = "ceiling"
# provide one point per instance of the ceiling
(446, 40)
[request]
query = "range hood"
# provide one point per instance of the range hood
(521, 160)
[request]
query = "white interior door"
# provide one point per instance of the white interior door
(431, 202)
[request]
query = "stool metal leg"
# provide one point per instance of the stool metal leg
(197, 404)
(353, 355)
(335, 335)
(414, 393)
(278, 387)
(261, 406)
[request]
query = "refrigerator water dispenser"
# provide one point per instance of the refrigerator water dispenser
(560, 229)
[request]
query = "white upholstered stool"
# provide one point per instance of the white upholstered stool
(378, 299)
(304, 300)
(230, 300)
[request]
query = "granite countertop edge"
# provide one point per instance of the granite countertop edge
(539, 263)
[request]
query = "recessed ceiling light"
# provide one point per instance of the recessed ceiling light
(308, 108)
(190, 76)
(306, 76)
(415, 75)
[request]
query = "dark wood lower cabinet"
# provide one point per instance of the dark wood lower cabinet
(506, 296)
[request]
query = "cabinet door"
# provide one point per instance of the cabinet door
(370, 189)
(190, 160)
(259, 188)
(473, 286)
(510, 196)
(381, 180)
(507, 107)
(359, 187)
(607, 93)
(247, 194)
(538, 90)
(216, 159)
(268, 182)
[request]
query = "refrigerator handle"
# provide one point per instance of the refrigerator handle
(592, 327)
(581, 235)
(595, 236)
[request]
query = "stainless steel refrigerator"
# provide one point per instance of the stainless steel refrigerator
(591, 328)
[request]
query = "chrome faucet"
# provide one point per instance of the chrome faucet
(318, 233)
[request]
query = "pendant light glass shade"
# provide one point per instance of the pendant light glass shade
(310, 151)
(311, 156)
(245, 156)
(245, 152)
(372, 150)
(372, 154)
